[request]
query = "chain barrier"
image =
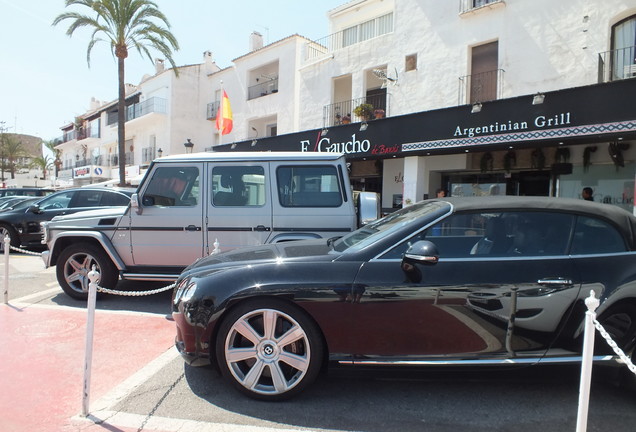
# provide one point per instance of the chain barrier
(619, 352)
(102, 289)
(24, 251)
(135, 293)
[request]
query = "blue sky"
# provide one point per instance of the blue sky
(45, 80)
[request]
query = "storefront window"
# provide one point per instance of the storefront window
(477, 189)
(610, 185)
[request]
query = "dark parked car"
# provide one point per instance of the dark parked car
(26, 191)
(451, 281)
(22, 223)
(9, 202)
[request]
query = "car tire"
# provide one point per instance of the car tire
(620, 323)
(74, 264)
(6, 230)
(271, 361)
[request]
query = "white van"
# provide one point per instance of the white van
(189, 206)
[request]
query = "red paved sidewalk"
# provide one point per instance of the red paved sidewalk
(42, 361)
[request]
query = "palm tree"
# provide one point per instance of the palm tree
(125, 24)
(51, 144)
(44, 163)
(12, 150)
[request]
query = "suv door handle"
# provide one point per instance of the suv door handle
(261, 228)
(192, 228)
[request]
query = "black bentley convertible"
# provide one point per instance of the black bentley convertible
(450, 281)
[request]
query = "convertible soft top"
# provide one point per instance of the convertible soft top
(622, 219)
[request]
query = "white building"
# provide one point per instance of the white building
(457, 81)
(523, 97)
(163, 112)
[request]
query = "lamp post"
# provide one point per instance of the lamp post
(188, 146)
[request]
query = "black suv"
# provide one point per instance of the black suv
(22, 225)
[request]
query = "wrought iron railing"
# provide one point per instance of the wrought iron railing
(618, 64)
(481, 87)
(212, 109)
(468, 5)
(345, 112)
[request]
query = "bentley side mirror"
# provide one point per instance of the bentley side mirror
(34, 209)
(422, 252)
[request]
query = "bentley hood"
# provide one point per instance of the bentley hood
(316, 250)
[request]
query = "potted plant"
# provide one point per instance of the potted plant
(364, 111)
(379, 113)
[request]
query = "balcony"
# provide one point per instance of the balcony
(87, 132)
(481, 87)
(262, 89)
(343, 112)
(211, 110)
(68, 136)
(322, 47)
(618, 64)
(151, 105)
(471, 5)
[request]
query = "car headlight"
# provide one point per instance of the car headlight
(185, 291)
(45, 232)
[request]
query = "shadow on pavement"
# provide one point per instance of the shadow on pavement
(156, 303)
(530, 399)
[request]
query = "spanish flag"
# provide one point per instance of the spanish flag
(224, 116)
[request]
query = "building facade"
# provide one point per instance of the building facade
(478, 97)
(162, 112)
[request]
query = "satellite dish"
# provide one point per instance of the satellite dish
(381, 74)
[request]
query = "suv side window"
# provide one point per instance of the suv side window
(173, 187)
(87, 198)
(110, 198)
(594, 236)
(308, 186)
(238, 186)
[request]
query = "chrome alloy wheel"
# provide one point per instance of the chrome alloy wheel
(267, 351)
(76, 269)
(4, 232)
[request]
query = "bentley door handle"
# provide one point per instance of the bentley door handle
(555, 282)
(192, 228)
(261, 228)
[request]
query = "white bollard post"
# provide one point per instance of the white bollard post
(586, 364)
(7, 249)
(90, 325)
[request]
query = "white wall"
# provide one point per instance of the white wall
(543, 46)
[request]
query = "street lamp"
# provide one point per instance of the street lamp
(188, 146)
